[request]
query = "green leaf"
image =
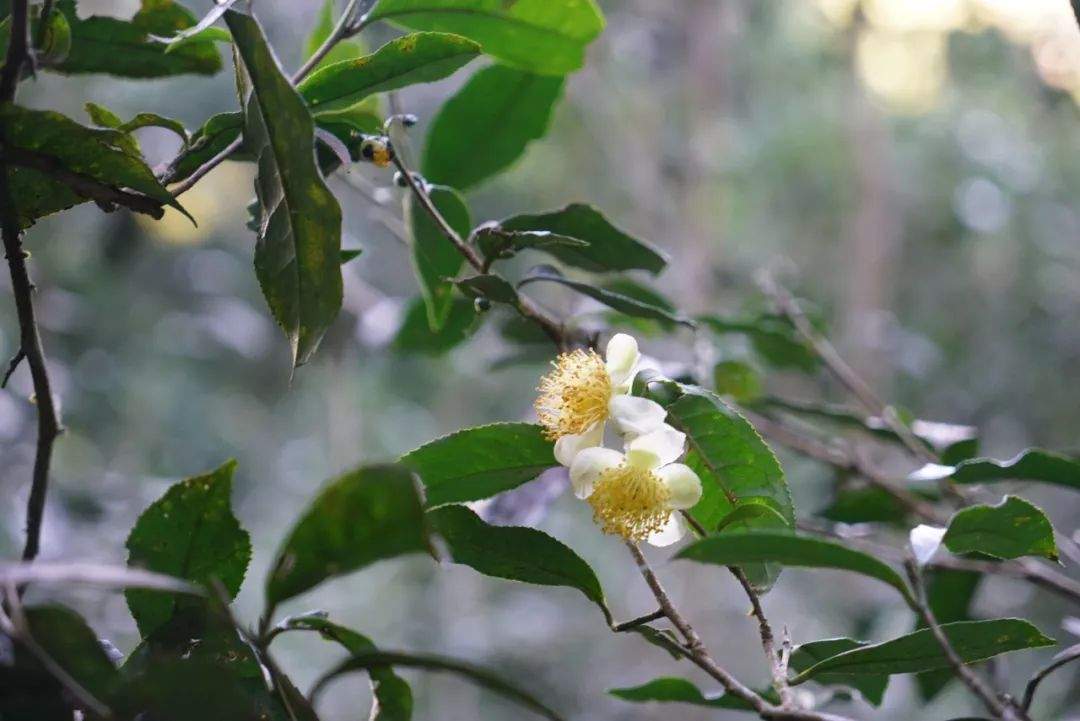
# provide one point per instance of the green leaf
(128, 48)
(663, 639)
(55, 39)
(496, 243)
(487, 125)
(749, 511)
(489, 286)
(99, 154)
(416, 336)
(773, 338)
(212, 34)
(806, 655)
(216, 134)
(367, 660)
(1034, 464)
(404, 61)
(348, 254)
(608, 248)
(72, 644)
(478, 463)
(949, 595)
(324, 25)
(435, 258)
(297, 257)
(188, 35)
(547, 37)
(364, 516)
(189, 533)
(670, 689)
(867, 504)
(738, 380)
(919, 651)
(623, 303)
(1011, 529)
(517, 553)
(105, 118)
(730, 549)
(393, 700)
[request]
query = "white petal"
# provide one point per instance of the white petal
(568, 446)
(925, 541)
(659, 448)
(587, 467)
(636, 416)
(931, 472)
(621, 359)
(684, 484)
(670, 533)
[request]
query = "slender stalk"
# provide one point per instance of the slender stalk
(980, 688)
(639, 621)
(1067, 656)
(29, 337)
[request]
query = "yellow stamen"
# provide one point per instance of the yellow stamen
(631, 502)
(575, 395)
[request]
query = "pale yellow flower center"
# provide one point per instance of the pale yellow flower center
(631, 502)
(575, 395)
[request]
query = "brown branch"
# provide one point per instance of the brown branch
(1000, 709)
(102, 193)
(639, 621)
(12, 365)
(29, 337)
(1067, 656)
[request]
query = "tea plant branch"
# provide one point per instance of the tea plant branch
(701, 657)
(29, 337)
(1005, 710)
(1067, 656)
(639, 621)
(13, 623)
(791, 309)
(12, 365)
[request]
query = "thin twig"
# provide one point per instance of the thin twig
(639, 621)
(970, 678)
(29, 337)
(1067, 656)
(12, 365)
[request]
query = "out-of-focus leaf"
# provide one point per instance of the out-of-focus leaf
(324, 25)
(212, 34)
(749, 511)
(514, 552)
(435, 258)
(189, 533)
(1011, 529)
(806, 655)
(738, 380)
(608, 248)
(55, 38)
(488, 124)
(99, 154)
(105, 118)
(496, 243)
(773, 338)
(546, 37)
(949, 595)
(348, 254)
(393, 700)
(959, 451)
(188, 35)
(69, 641)
(670, 689)
(297, 256)
(623, 303)
(216, 134)
(919, 651)
(375, 658)
(477, 463)
(790, 550)
(404, 61)
(489, 286)
(128, 48)
(1034, 464)
(416, 336)
(867, 504)
(362, 517)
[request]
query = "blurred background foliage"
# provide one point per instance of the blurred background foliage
(910, 166)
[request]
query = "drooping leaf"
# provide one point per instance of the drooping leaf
(773, 338)
(496, 243)
(749, 511)
(623, 303)
(435, 258)
(670, 689)
(375, 658)
(404, 61)
(216, 134)
(806, 655)
(364, 516)
(478, 463)
(492, 287)
(1034, 464)
(297, 256)
(487, 125)
(102, 155)
(189, 533)
(1011, 529)
(868, 504)
(739, 380)
(547, 36)
(416, 336)
(608, 249)
(393, 700)
(729, 549)
(128, 48)
(513, 552)
(919, 651)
